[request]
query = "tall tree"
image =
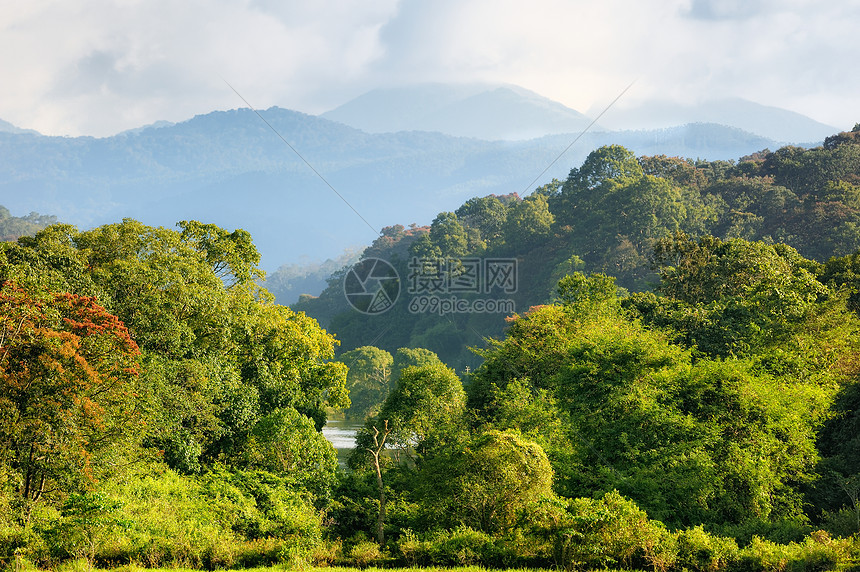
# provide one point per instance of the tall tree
(528, 222)
(484, 482)
(691, 440)
(485, 214)
(369, 379)
(68, 382)
(448, 235)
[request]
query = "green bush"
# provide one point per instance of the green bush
(817, 553)
(411, 549)
(783, 531)
(218, 520)
(462, 546)
(700, 551)
(612, 532)
(841, 523)
(27, 543)
(853, 563)
(85, 526)
(520, 548)
(11, 535)
(820, 552)
(75, 565)
(365, 553)
(258, 504)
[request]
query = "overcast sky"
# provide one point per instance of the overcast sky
(81, 67)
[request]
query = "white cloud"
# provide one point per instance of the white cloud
(103, 66)
(100, 66)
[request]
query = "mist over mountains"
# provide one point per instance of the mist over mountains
(771, 122)
(229, 168)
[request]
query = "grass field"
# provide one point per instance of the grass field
(83, 566)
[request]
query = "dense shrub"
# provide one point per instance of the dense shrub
(612, 532)
(841, 523)
(782, 531)
(218, 520)
(817, 553)
(698, 550)
(462, 546)
(365, 553)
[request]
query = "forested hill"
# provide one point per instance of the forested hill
(607, 216)
(14, 227)
(227, 167)
(157, 406)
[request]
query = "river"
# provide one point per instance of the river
(341, 434)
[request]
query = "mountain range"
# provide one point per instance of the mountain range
(400, 167)
(772, 122)
(510, 112)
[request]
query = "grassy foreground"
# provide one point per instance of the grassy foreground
(82, 565)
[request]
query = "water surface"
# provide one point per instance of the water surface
(341, 434)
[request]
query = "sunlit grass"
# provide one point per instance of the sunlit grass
(82, 566)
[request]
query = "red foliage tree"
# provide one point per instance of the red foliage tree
(67, 378)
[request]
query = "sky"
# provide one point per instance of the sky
(98, 67)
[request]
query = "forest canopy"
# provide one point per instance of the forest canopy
(676, 390)
(608, 216)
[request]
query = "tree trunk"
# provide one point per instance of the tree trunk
(379, 447)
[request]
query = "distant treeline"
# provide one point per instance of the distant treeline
(13, 227)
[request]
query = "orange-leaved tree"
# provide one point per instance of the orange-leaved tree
(68, 371)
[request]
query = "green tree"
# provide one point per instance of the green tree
(163, 289)
(734, 297)
(528, 222)
(603, 169)
(287, 358)
(691, 441)
(585, 295)
(369, 379)
(287, 443)
(68, 381)
(448, 235)
(48, 262)
(426, 400)
(485, 214)
(610, 163)
(217, 355)
(682, 172)
(423, 409)
(485, 482)
(232, 255)
(418, 357)
(842, 274)
(376, 451)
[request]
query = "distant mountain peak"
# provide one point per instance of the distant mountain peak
(6, 127)
(481, 111)
(155, 125)
(774, 123)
